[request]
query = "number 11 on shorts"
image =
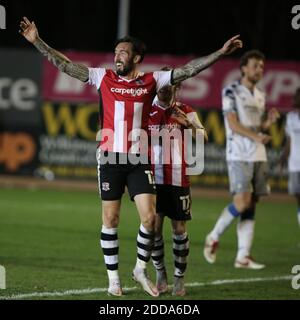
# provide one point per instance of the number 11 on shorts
(186, 202)
(150, 176)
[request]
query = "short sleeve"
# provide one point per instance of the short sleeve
(228, 101)
(163, 78)
(188, 109)
(95, 76)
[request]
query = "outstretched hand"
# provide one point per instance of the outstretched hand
(232, 44)
(28, 30)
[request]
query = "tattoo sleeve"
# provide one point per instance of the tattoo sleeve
(194, 67)
(63, 63)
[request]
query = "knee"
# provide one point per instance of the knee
(243, 204)
(110, 219)
(179, 228)
(248, 214)
(148, 221)
(246, 205)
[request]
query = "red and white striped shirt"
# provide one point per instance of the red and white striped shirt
(125, 106)
(168, 162)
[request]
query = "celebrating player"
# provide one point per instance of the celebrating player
(126, 96)
(172, 183)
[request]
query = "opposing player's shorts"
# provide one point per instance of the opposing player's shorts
(112, 178)
(248, 177)
(173, 202)
(294, 182)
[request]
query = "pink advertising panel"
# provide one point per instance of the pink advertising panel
(204, 91)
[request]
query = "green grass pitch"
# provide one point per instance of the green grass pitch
(49, 242)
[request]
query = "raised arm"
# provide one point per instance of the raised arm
(64, 64)
(195, 66)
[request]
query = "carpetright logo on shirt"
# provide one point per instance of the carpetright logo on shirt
(133, 92)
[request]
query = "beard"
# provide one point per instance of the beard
(126, 69)
(255, 79)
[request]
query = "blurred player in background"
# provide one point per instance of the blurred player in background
(126, 96)
(244, 110)
(291, 150)
(172, 183)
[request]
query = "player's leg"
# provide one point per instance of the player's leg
(245, 232)
(145, 204)
(158, 253)
(110, 244)
(111, 187)
(162, 199)
(294, 189)
(245, 235)
(180, 255)
(141, 188)
(180, 213)
(158, 249)
(246, 225)
(240, 175)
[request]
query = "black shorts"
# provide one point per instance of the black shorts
(112, 179)
(173, 202)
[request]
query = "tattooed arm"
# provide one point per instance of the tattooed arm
(195, 66)
(64, 64)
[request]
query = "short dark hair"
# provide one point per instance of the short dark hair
(256, 54)
(138, 46)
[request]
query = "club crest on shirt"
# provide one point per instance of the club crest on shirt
(139, 81)
(105, 186)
